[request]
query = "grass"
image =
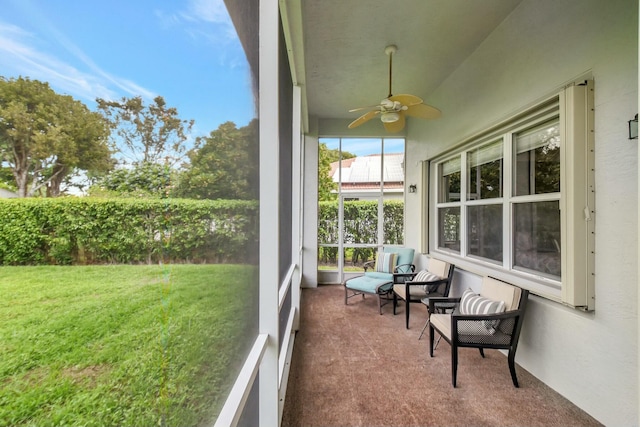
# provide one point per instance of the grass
(122, 345)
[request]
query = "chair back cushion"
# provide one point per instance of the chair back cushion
(439, 268)
(404, 258)
(500, 291)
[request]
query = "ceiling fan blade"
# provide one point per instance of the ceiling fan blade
(363, 118)
(364, 108)
(423, 111)
(396, 126)
(406, 99)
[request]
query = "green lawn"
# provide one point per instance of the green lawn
(122, 345)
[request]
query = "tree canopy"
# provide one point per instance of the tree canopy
(149, 180)
(225, 166)
(326, 187)
(147, 134)
(45, 137)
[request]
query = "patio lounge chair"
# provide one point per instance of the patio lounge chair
(392, 265)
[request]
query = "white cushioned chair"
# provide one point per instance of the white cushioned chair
(492, 319)
(434, 281)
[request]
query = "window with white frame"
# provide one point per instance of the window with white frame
(517, 201)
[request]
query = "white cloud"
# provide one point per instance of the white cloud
(209, 10)
(19, 55)
(208, 21)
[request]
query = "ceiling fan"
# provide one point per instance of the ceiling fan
(393, 109)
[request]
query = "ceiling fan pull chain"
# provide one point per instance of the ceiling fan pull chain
(390, 68)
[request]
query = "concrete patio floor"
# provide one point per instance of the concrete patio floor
(354, 367)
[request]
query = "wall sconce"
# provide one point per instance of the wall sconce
(633, 128)
(413, 188)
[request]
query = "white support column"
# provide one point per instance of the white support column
(269, 213)
(297, 180)
(310, 208)
(638, 320)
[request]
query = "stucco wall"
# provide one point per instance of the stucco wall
(590, 358)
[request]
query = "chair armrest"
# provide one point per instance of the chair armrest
(431, 285)
(430, 282)
(448, 301)
(456, 317)
(402, 277)
(489, 329)
(369, 264)
(410, 266)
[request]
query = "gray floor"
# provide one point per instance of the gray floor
(354, 367)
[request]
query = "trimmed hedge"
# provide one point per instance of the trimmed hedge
(68, 231)
(360, 226)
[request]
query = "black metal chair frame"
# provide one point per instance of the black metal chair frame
(456, 342)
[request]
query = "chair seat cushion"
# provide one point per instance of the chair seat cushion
(370, 285)
(379, 276)
(442, 322)
(416, 292)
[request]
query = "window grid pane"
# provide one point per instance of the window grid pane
(484, 231)
(450, 178)
(484, 172)
(537, 164)
(449, 228)
(537, 237)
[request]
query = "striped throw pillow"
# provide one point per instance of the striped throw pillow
(470, 303)
(425, 276)
(385, 262)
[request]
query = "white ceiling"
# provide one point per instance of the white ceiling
(344, 41)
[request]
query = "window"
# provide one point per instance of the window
(516, 202)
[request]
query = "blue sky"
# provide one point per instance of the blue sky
(185, 51)
(366, 146)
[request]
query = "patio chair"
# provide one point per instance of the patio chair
(434, 281)
(392, 265)
(492, 319)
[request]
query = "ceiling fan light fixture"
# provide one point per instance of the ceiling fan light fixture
(390, 117)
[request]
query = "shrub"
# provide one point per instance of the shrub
(97, 231)
(360, 226)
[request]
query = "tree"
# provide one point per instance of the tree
(142, 180)
(326, 187)
(44, 136)
(147, 134)
(225, 166)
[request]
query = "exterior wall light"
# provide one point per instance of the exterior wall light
(633, 128)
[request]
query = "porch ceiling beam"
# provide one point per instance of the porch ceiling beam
(291, 15)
